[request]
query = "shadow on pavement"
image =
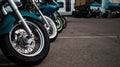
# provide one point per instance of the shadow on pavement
(4, 62)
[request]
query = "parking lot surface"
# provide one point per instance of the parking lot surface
(86, 42)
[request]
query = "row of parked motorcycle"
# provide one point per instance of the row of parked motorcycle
(26, 29)
(96, 14)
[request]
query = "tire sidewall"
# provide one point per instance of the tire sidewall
(17, 58)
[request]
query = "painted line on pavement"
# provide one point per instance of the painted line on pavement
(83, 37)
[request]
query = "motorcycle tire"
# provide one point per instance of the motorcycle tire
(53, 33)
(64, 22)
(63, 19)
(59, 24)
(18, 47)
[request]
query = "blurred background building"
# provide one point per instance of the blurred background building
(71, 5)
(68, 6)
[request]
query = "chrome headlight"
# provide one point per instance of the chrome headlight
(18, 3)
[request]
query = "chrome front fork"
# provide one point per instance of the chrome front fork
(35, 5)
(17, 12)
(3, 10)
(54, 14)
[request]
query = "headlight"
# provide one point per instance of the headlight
(18, 3)
(9, 9)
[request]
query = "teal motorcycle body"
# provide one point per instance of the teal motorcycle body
(8, 21)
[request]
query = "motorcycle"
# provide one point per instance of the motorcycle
(53, 8)
(63, 19)
(49, 24)
(23, 38)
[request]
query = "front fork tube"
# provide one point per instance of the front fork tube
(47, 24)
(55, 17)
(4, 11)
(17, 12)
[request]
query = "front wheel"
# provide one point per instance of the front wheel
(25, 50)
(59, 24)
(64, 21)
(52, 31)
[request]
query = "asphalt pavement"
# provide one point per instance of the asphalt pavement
(86, 42)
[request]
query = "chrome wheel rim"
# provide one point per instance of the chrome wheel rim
(24, 45)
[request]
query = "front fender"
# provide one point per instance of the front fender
(7, 23)
(31, 15)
